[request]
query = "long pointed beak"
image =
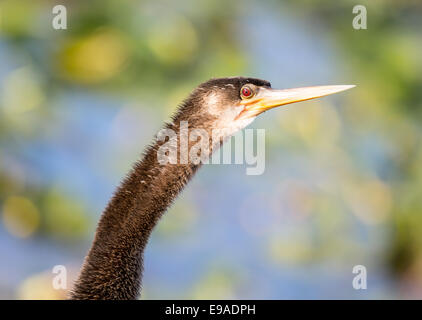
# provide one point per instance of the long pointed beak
(267, 98)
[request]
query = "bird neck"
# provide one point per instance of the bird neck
(113, 266)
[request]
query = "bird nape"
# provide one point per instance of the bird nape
(113, 267)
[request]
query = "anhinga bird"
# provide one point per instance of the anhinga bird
(113, 266)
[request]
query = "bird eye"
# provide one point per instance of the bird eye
(246, 92)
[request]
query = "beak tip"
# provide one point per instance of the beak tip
(339, 88)
(348, 86)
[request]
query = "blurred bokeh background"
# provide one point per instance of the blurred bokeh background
(343, 179)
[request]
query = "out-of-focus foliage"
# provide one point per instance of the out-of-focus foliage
(343, 176)
(385, 61)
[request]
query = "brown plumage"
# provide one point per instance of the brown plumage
(113, 266)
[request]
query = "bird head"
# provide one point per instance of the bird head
(230, 104)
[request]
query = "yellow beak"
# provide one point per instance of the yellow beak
(267, 98)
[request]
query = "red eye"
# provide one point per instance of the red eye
(246, 92)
